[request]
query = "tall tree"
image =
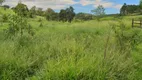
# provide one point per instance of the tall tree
(123, 10)
(21, 10)
(70, 13)
(99, 11)
(32, 12)
(1, 1)
(140, 4)
(62, 15)
(67, 15)
(49, 13)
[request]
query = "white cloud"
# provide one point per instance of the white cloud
(104, 3)
(118, 6)
(61, 4)
(85, 2)
(54, 4)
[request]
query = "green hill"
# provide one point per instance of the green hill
(89, 50)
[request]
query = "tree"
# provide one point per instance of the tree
(123, 10)
(62, 15)
(21, 10)
(39, 12)
(129, 9)
(67, 15)
(1, 1)
(32, 12)
(99, 11)
(70, 14)
(84, 16)
(140, 4)
(50, 14)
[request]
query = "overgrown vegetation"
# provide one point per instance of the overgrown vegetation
(18, 26)
(105, 50)
(131, 9)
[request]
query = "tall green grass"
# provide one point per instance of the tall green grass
(69, 51)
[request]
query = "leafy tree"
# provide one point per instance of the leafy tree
(32, 12)
(123, 10)
(70, 14)
(140, 4)
(39, 12)
(132, 9)
(67, 15)
(5, 17)
(1, 1)
(51, 15)
(18, 26)
(21, 10)
(62, 15)
(84, 16)
(55, 16)
(129, 9)
(99, 11)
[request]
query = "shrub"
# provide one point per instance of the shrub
(41, 25)
(84, 16)
(126, 38)
(4, 18)
(18, 26)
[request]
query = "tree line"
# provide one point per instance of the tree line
(130, 9)
(65, 15)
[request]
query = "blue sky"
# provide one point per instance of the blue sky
(111, 6)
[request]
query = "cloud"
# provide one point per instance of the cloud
(85, 2)
(118, 6)
(104, 3)
(54, 4)
(61, 4)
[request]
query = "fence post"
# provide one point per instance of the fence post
(132, 23)
(140, 23)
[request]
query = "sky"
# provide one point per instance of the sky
(111, 6)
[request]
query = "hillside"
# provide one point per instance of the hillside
(108, 49)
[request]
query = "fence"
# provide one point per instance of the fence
(136, 22)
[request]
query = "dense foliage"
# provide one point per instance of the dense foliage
(129, 9)
(67, 15)
(88, 50)
(83, 16)
(18, 26)
(99, 12)
(32, 12)
(51, 15)
(21, 10)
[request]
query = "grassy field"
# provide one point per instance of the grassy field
(87, 50)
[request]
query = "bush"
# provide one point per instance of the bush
(18, 26)
(126, 38)
(4, 18)
(41, 25)
(84, 16)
